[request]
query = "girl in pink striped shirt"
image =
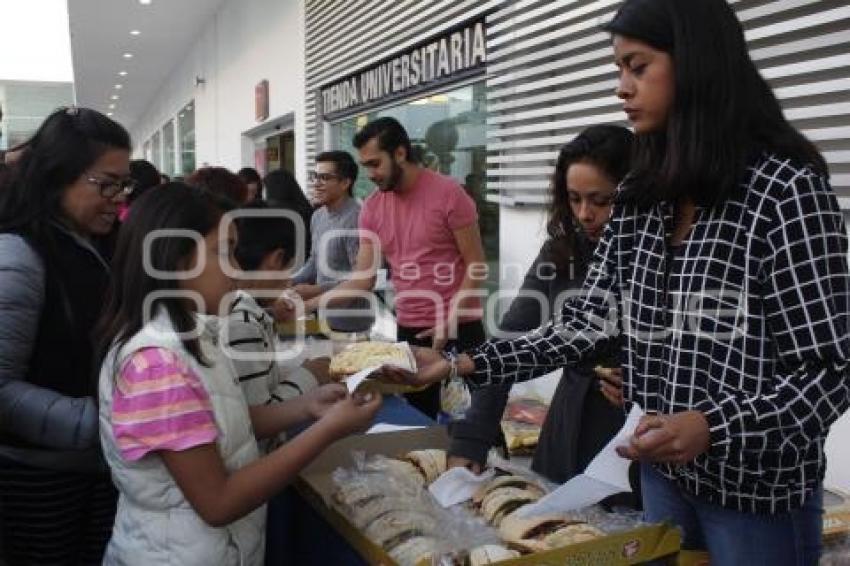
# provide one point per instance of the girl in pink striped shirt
(176, 430)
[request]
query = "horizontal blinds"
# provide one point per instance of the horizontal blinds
(550, 71)
(550, 74)
(343, 36)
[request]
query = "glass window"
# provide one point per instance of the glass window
(448, 134)
(156, 150)
(25, 105)
(186, 127)
(168, 148)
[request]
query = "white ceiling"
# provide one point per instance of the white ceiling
(100, 35)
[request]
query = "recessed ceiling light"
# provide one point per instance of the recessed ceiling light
(109, 113)
(182, 115)
(112, 107)
(122, 73)
(135, 32)
(114, 97)
(119, 86)
(128, 56)
(145, 2)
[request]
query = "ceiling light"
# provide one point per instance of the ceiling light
(128, 56)
(182, 115)
(119, 86)
(135, 32)
(112, 107)
(145, 2)
(122, 73)
(114, 97)
(109, 113)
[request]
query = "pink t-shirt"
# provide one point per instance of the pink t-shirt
(160, 404)
(415, 229)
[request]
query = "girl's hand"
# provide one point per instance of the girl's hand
(319, 400)
(610, 384)
(354, 413)
(675, 439)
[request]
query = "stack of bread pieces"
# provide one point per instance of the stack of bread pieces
(403, 521)
(409, 535)
(498, 501)
(363, 355)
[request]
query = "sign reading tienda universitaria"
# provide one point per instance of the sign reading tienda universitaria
(452, 56)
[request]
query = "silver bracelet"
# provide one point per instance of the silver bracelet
(451, 356)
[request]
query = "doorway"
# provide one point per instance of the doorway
(280, 152)
(271, 145)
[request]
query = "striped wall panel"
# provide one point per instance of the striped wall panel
(550, 71)
(343, 36)
(550, 74)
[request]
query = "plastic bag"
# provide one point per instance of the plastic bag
(521, 424)
(378, 498)
(455, 398)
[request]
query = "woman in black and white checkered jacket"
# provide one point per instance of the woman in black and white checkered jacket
(725, 269)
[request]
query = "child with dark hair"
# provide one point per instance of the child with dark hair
(178, 435)
(265, 251)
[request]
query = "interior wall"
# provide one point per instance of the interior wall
(245, 42)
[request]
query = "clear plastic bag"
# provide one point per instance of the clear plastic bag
(377, 489)
(455, 398)
(521, 424)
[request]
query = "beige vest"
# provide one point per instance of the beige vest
(155, 524)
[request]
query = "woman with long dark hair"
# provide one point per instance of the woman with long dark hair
(585, 410)
(57, 502)
(254, 183)
(725, 269)
(283, 191)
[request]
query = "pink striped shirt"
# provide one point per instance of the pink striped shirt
(159, 403)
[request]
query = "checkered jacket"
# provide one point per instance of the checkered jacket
(746, 322)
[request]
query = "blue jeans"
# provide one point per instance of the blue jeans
(733, 538)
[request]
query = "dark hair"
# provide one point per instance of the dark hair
(390, 134)
(343, 163)
(220, 181)
(283, 191)
(606, 147)
(724, 113)
(250, 175)
(170, 206)
(146, 177)
(5, 175)
(260, 236)
(67, 143)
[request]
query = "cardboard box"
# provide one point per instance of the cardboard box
(836, 516)
(303, 327)
(316, 485)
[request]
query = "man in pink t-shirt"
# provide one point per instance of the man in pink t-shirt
(426, 227)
